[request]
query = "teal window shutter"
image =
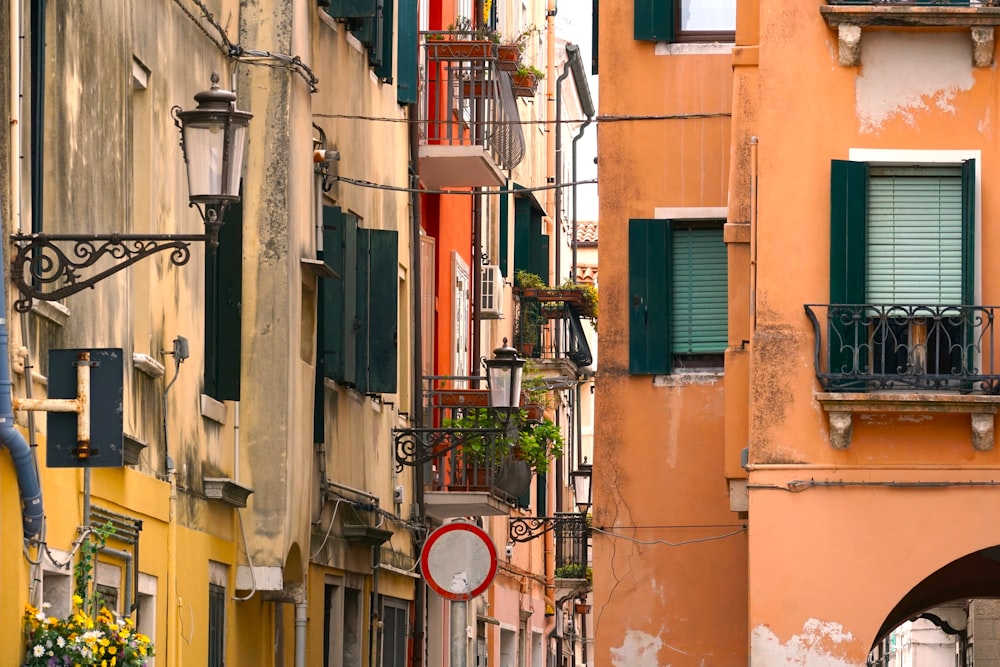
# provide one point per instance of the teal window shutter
(504, 233)
(382, 49)
(523, 258)
(594, 41)
(848, 222)
(333, 319)
(699, 312)
(654, 20)
(543, 257)
(378, 287)
(223, 308)
(649, 268)
(407, 52)
(969, 232)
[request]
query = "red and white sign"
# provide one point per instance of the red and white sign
(459, 561)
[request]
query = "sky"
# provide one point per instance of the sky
(573, 22)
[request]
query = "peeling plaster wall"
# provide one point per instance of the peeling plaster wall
(815, 646)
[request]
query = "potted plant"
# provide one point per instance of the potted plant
(463, 41)
(510, 49)
(91, 635)
(525, 80)
(575, 571)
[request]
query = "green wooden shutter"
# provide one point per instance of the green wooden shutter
(699, 290)
(848, 220)
(594, 38)
(337, 295)
(504, 233)
(969, 232)
(523, 258)
(382, 50)
(915, 236)
(407, 52)
(542, 256)
(223, 308)
(649, 266)
(654, 20)
(378, 287)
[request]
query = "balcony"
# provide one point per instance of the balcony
(549, 328)
(471, 132)
(905, 358)
(851, 17)
(466, 450)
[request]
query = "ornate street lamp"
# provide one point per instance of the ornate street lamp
(503, 374)
(581, 485)
(416, 446)
(213, 141)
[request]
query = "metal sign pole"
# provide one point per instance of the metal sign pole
(459, 633)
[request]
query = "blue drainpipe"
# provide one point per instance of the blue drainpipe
(32, 514)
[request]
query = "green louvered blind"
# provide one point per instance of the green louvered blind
(699, 291)
(224, 308)
(915, 242)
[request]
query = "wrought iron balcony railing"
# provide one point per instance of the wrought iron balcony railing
(572, 533)
(867, 347)
(466, 99)
(464, 444)
(548, 326)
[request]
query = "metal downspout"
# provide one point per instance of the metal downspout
(416, 398)
(301, 617)
(32, 513)
(575, 241)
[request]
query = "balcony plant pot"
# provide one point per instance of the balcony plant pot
(581, 608)
(508, 57)
(523, 85)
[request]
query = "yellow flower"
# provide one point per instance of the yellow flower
(77, 600)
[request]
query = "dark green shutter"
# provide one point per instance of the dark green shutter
(542, 259)
(407, 52)
(378, 286)
(385, 42)
(699, 291)
(649, 264)
(654, 20)
(504, 233)
(594, 38)
(969, 232)
(848, 242)
(339, 239)
(848, 223)
(352, 323)
(223, 308)
(523, 258)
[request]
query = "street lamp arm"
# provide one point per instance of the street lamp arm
(40, 260)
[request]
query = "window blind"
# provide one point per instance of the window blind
(699, 291)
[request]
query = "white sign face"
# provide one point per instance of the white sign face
(459, 561)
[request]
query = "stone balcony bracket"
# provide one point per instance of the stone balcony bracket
(850, 20)
(841, 407)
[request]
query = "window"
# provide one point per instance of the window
(903, 236)
(371, 22)
(216, 625)
(359, 319)
(394, 632)
(460, 315)
(679, 295)
(685, 20)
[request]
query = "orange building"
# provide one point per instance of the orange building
(794, 438)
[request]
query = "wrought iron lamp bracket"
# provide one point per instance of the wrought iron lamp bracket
(42, 260)
(417, 446)
(525, 529)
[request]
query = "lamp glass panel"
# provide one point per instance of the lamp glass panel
(505, 386)
(236, 150)
(581, 489)
(204, 144)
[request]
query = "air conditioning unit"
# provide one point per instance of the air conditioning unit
(491, 294)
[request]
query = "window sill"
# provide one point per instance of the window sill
(841, 407)
(850, 19)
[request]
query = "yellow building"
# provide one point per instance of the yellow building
(250, 385)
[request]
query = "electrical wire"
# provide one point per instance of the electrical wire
(571, 121)
(248, 56)
(395, 188)
(798, 485)
(246, 550)
(742, 529)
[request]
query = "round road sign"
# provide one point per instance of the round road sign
(459, 561)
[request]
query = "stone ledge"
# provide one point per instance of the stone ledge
(850, 19)
(841, 406)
